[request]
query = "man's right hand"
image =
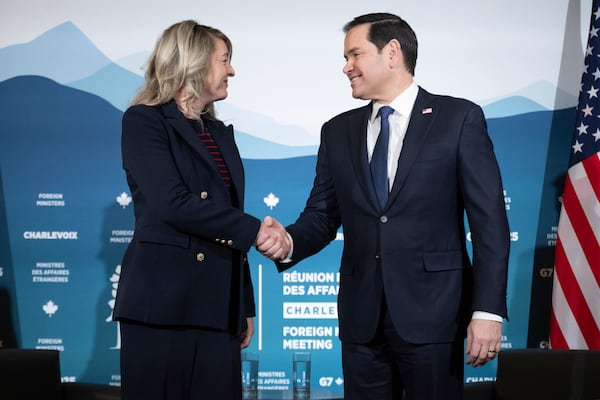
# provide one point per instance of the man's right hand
(272, 240)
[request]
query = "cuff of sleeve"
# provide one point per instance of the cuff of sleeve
(289, 256)
(486, 315)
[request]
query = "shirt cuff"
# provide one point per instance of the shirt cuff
(289, 256)
(486, 315)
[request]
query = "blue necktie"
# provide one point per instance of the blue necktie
(379, 158)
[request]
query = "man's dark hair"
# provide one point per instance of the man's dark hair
(385, 27)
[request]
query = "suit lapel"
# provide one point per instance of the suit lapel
(422, 116)
(357, 140)
(223, 137)
(182, 126)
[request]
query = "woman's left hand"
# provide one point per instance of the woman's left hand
(247, 334)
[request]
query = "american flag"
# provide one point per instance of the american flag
(575, 318)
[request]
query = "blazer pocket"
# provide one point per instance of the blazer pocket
(159, 237)
(430, 159)
(443, 261)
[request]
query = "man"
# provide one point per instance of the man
(408, 292)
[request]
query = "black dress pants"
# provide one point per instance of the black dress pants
(388, 367)
(175, 363)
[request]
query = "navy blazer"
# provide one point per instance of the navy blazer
(186, 264)
(414, 251)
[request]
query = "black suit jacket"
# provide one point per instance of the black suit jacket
(413, 251)
(186, 264)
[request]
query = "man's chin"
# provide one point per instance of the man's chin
(355, 93)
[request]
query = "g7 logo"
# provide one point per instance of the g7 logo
(546, 272)
(326, 381)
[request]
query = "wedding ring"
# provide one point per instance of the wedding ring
(491, 351)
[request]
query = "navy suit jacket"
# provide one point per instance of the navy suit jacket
(414, 251)
(186, 264)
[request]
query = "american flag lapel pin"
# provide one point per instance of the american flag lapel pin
(427, 110)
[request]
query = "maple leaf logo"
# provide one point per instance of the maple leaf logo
(50, 308)
(124, 199)
(271, 200)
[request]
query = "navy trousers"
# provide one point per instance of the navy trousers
(175, 363)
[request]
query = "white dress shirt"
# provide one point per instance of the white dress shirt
(398, 120)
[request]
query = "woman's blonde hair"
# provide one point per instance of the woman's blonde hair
(180, 60)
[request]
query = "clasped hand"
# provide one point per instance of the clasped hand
(272, 240)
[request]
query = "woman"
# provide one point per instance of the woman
(185, 299)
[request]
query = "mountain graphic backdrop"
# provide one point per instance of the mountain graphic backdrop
(66, 55)
(62, 102)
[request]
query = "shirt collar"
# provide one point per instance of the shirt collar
(403, 104)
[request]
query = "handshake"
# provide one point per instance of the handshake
(273, 240)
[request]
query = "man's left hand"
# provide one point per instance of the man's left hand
(483, 341)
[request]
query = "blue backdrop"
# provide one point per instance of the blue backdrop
(66, 218)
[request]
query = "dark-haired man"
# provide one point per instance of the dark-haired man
(409, 292)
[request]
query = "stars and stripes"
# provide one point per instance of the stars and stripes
(575, 318)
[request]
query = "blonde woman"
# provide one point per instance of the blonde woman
(185, 300)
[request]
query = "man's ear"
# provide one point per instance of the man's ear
(395, 55)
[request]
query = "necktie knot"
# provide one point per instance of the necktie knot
(385, 112)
